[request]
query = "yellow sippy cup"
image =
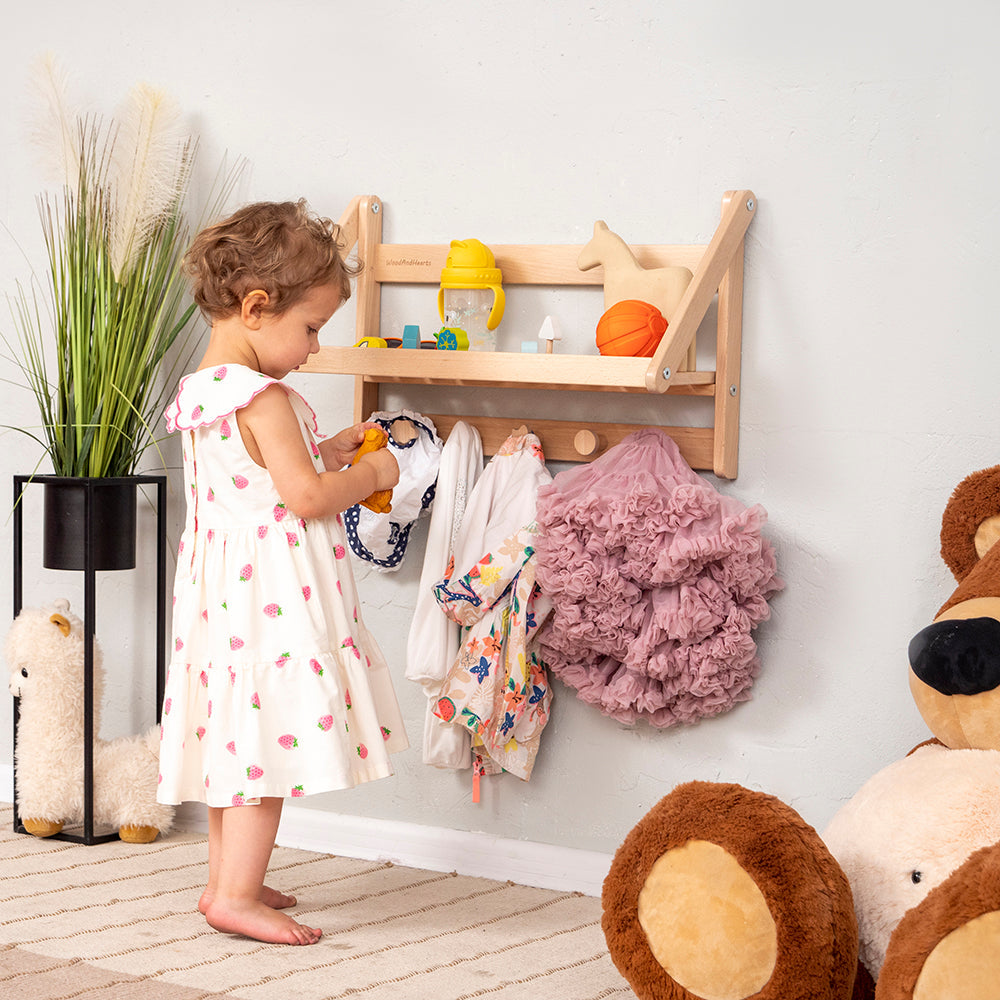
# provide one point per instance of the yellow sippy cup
(471, 297)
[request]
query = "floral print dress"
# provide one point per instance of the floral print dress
(275, 686)
(497, 687)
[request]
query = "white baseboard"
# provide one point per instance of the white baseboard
(429, 847)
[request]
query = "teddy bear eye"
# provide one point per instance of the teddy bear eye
(915, 877)
(24, 671)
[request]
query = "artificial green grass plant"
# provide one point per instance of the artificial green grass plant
(94, 334)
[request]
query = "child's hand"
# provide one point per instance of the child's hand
(337, 451)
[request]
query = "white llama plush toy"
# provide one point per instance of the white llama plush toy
(45, 654)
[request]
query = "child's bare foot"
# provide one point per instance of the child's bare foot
(268, 896)
(254, 919)
(276, 900)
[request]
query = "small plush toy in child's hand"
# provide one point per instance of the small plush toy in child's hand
(381, 500)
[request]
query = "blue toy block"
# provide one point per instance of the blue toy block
(411, 337)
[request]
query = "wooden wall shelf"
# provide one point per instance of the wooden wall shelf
(718, 274)
(580, 372)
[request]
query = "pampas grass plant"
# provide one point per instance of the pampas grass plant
(93, 335)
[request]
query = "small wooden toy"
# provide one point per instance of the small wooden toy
(411, 336)
(549, 332)
(381, 500)
(625, 278)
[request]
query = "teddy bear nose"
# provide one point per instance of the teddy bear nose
(958, 656)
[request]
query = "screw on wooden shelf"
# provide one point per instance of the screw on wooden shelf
(750, 204)
(666, 373)
(376, 207)
(732, 390)
(587, 443)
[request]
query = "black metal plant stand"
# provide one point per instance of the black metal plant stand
(90, 612)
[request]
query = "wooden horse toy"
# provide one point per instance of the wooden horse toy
(625, 278)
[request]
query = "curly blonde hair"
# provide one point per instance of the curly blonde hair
(281, 247)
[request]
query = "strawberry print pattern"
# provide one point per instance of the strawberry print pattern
(271, 660)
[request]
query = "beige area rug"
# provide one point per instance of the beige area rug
(117, 921)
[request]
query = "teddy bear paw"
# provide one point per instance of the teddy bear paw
(42, 827)
(137, 834)
(726, 893)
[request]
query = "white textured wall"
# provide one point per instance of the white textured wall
(869, 372)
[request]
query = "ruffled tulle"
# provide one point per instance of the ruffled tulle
(657, 581)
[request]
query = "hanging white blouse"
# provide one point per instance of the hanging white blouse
(433, 641)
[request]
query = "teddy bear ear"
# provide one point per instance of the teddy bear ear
(975, 501)
(62, 624)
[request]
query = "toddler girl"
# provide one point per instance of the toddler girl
(275, 687)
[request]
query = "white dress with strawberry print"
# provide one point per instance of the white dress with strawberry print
(275, 686)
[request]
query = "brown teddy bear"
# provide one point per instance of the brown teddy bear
(722, 893)
(955, 661)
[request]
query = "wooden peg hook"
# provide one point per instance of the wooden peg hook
(587, 443)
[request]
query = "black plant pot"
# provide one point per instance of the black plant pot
(112, 515)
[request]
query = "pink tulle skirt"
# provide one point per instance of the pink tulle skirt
(657, 582)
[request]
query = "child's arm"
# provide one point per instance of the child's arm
(271, 433)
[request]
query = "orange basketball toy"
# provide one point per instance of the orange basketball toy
(630, 329)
